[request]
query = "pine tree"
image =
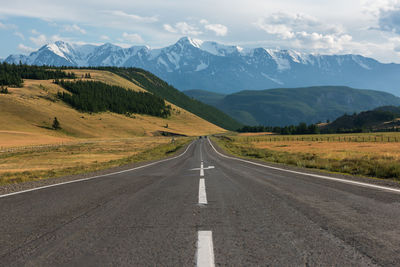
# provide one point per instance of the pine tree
(3, 90)
(56, 124)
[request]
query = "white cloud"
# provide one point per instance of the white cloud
(119, 13)
(281, 30)
(132, 37)
(42, 39)
(104, 37)
(190, 29)
(218, 29)
(169, 28)
(282, 23)
(123, 45)
(74, 28)
(39, 40)
(390, 21)
(305, 32)
(186, 28)
(375, 7)
(386, 13)
(20, 35)
(323, 42)
(85, 43)
(182, 28)
(57, 37)
(25, 49)
(8, 26)
(35, 32)
(288, 29)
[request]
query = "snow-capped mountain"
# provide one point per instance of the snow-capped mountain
(194, 64)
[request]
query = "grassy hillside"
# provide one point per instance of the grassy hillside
(26, 116)
(382, 118)
(157, 86)
(31, 148)
(208, 97)
(283, 106)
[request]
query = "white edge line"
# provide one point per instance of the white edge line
(94, 177)
(205, 249)
(202, 192)
(312, 175)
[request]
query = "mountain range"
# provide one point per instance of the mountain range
(290, 106)
(194, 64)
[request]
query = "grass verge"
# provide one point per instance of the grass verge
(379, 166)
(155, 153)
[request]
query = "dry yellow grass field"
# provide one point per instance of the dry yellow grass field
(369, 154)
(107, 77)
(54, 161)
(27, 113)
(336, 150)
(66, 156)
(255, 134)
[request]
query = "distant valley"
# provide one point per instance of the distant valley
(290, 106)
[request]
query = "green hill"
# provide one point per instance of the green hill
(382, 118)
(210, 98)
(290, 106)
(153, 84)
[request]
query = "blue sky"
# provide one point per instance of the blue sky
(367, 27)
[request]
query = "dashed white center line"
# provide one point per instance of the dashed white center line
(201, 169)
(202, 192)
(205, 249)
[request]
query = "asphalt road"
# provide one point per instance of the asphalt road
(167, 214)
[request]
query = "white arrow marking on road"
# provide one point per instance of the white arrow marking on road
(205, 249)
(202, 169)
(202, 192)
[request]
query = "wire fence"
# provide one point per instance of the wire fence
(38, 147)
(321, 138)
(64, 144)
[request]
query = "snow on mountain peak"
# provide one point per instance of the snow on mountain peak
(359, 60)
(280, 58)
(195, 42)
(109, 46)
(59, 49)
(219, 49)
(192, 63)
(199, 59)
(190, 41)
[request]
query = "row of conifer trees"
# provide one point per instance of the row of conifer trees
(93, 96)
(13, 74)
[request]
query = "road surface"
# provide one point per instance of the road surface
(202, 208)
